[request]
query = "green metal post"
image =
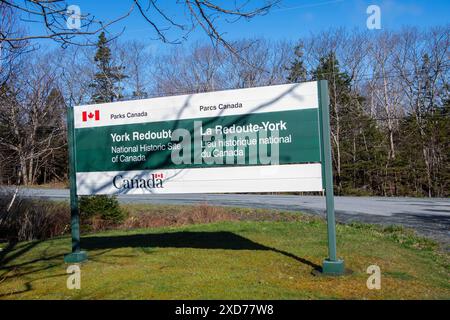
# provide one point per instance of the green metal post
(76, 255)
(332, 265)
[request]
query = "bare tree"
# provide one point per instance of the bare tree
(269, 63)
(387, 90)
(75, 68)
(202, 68)
(9, 53)
(138, 60)
(189, 70)
(53, 17)
(31, 117)
(423, 68)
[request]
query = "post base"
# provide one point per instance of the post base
(333, 268)
(75, 257)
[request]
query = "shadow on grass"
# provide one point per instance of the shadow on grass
(12, 252)
(12, 265)
(196, 240)
(15, 251)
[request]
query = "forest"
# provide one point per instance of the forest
(389, 98)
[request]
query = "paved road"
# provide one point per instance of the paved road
(430, 217)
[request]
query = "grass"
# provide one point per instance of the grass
(50, 185)
(227, 253)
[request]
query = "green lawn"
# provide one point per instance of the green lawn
(228, 260)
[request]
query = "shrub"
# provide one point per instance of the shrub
(27, 219)
(104, 207)
(357, 192)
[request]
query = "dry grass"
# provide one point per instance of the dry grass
(148, 216)
(26, 219)
(39, 220)
(51, 185)
(178, 217)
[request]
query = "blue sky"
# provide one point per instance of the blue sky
(291, 20)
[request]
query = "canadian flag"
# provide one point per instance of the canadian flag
(91, 115)
(158, 175)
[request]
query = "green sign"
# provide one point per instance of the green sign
(147, 146)
(265, 139)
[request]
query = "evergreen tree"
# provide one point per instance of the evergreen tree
(339, 93)
(297, 70)
(107, 88)
(357, 142)
(106, 80)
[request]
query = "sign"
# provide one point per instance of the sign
(247, 140)
(262, 139)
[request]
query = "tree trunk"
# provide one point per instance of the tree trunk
(23, 170)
